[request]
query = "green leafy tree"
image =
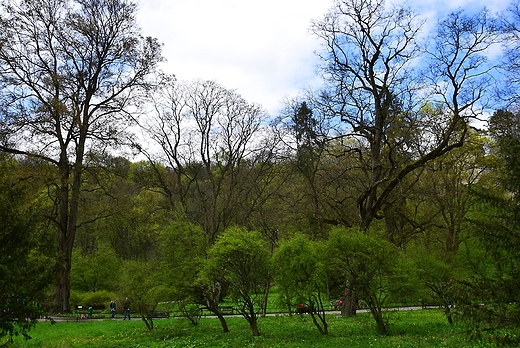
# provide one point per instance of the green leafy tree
(376, 269)
(300, 275)
(183, 250)
(435, 275)
(24, 271)
(211, 285)
(240, 259)
(488, 299)
(140, 281)
(96, 271)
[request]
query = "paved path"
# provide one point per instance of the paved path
(77, 319)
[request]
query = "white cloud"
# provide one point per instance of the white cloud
(261, 48)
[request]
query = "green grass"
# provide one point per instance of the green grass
(424, 328)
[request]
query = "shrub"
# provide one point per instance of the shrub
(96, 300)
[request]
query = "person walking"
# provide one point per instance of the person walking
(126, 309)
(113, 307)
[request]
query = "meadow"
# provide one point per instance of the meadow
(421, 328)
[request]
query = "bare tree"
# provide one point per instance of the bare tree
(369, 55)
(372, 84)
(510, 65)
(70, 72)
(211, 139)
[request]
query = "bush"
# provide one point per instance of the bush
(76, 299)
(96, 300)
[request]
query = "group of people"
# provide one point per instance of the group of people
(126, 309)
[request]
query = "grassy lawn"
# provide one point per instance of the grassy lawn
(424, 328)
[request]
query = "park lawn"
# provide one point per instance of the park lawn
(422, 328)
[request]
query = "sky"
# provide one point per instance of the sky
(262, 49)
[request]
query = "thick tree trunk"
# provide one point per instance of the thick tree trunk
(68, 202)
(64, 264)
(62, 288)
(350, 301)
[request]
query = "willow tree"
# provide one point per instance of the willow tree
(71, 73)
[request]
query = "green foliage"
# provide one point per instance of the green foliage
(434, 283)
(24, 271)
(505, 130)
(297, 268)
(182, 250)
(96, 271)
(240, 260)
(97, 300)
(487, 300)
(426, 328)
(377, 270)
(299, 272)
(140, 282)
(244, 258)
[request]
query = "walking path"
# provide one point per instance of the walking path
(77, 319)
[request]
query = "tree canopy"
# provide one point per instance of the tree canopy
(396, 179)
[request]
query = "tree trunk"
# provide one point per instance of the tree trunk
(223, 322)
(350, 301)
(148, 321)
(64, 262)
(254, 326)
(378, 317)
(214, 308)
(317, 313)
(68, 202)
(62, 288)
(323, 328)
(212, 297)
(447, 311)
(288, 304)
(266, 298)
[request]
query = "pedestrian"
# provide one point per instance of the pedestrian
(113, 307)
(126, 309)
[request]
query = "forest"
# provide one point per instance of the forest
(397, 180)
